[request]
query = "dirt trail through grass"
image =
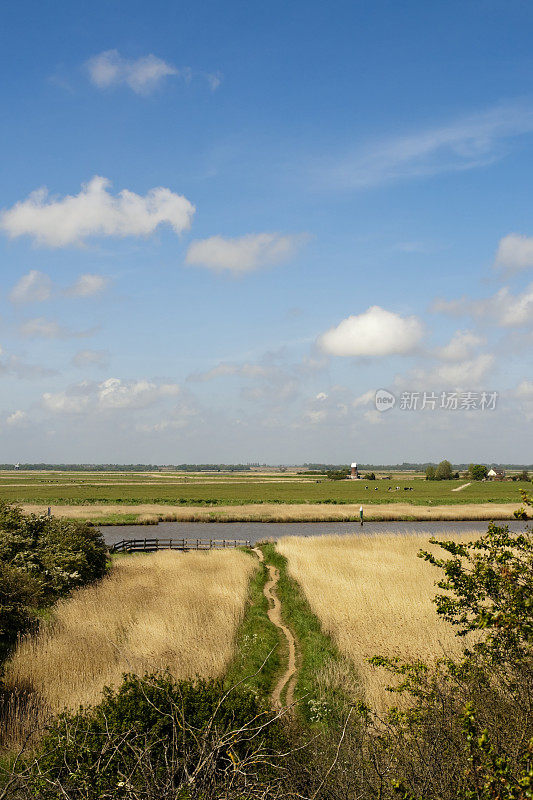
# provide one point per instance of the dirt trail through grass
(288, 679)
(459, 488)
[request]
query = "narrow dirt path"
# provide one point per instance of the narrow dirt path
(458, 488)
(288, 678)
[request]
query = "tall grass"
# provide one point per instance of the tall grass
(373, 596)
(175, 611)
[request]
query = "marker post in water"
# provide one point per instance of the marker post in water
(361, 514)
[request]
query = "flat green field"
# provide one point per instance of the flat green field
(234, 490)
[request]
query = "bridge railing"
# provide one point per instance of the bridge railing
(151, 545)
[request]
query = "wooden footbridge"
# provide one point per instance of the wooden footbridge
(151, 545)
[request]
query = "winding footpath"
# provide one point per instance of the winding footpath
(288, 679)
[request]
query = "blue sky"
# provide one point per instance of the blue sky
(225, 226)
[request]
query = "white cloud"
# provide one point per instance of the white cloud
(87, 286)
(465, 373)
(115, 393)
(14, 365)
(525, 389)
(63, 403)
(143, 75)
(214, 80)
(376, 332)
(243, 254)
(503, 308)
(42, 328)
(515, 252)
(461, 375)
(460, 346)
(470, 142)
(35, 287)
(364, 399)
(17, 419)
(112, 394)
(88, 358)
(95, 212)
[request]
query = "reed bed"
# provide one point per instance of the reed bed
(373, 596)
(152, 513)
(175, 611)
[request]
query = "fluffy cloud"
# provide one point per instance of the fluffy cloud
(63, 403)
(115, 393)
(376, 332)
(243, 254)
(42, 328)
(17, 419)
(515, 252)
(460, 346)
(465, 373)
(94, 211)
(87, 286)
(525, 389)
(111, 394)
(35, 287)
(460, 375)
(14, 365)
(503, 308)
(143, 75)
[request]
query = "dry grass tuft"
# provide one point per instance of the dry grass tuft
(176, 611)
(373, 596)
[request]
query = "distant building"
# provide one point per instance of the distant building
(496, 474)
(354, 472)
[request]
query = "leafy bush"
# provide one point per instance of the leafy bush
(154, 737)
(478, 472)
(20, 594)
(444, 471)
(42, 559)
(337, 474)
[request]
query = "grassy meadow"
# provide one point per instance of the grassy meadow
(134, 497)
(168, 610)
(373, 596)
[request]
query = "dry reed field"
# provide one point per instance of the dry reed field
(373, 596)
(282, 512)
(167, 610)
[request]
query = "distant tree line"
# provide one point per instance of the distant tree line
(134, 467)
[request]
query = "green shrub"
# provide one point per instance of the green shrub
(154, 732)
(20, 594)
(61, 554)
(41, 559)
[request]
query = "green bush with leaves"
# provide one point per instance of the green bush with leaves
(41, 560)
(444, 471)
(158, 737)
(478, 472)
